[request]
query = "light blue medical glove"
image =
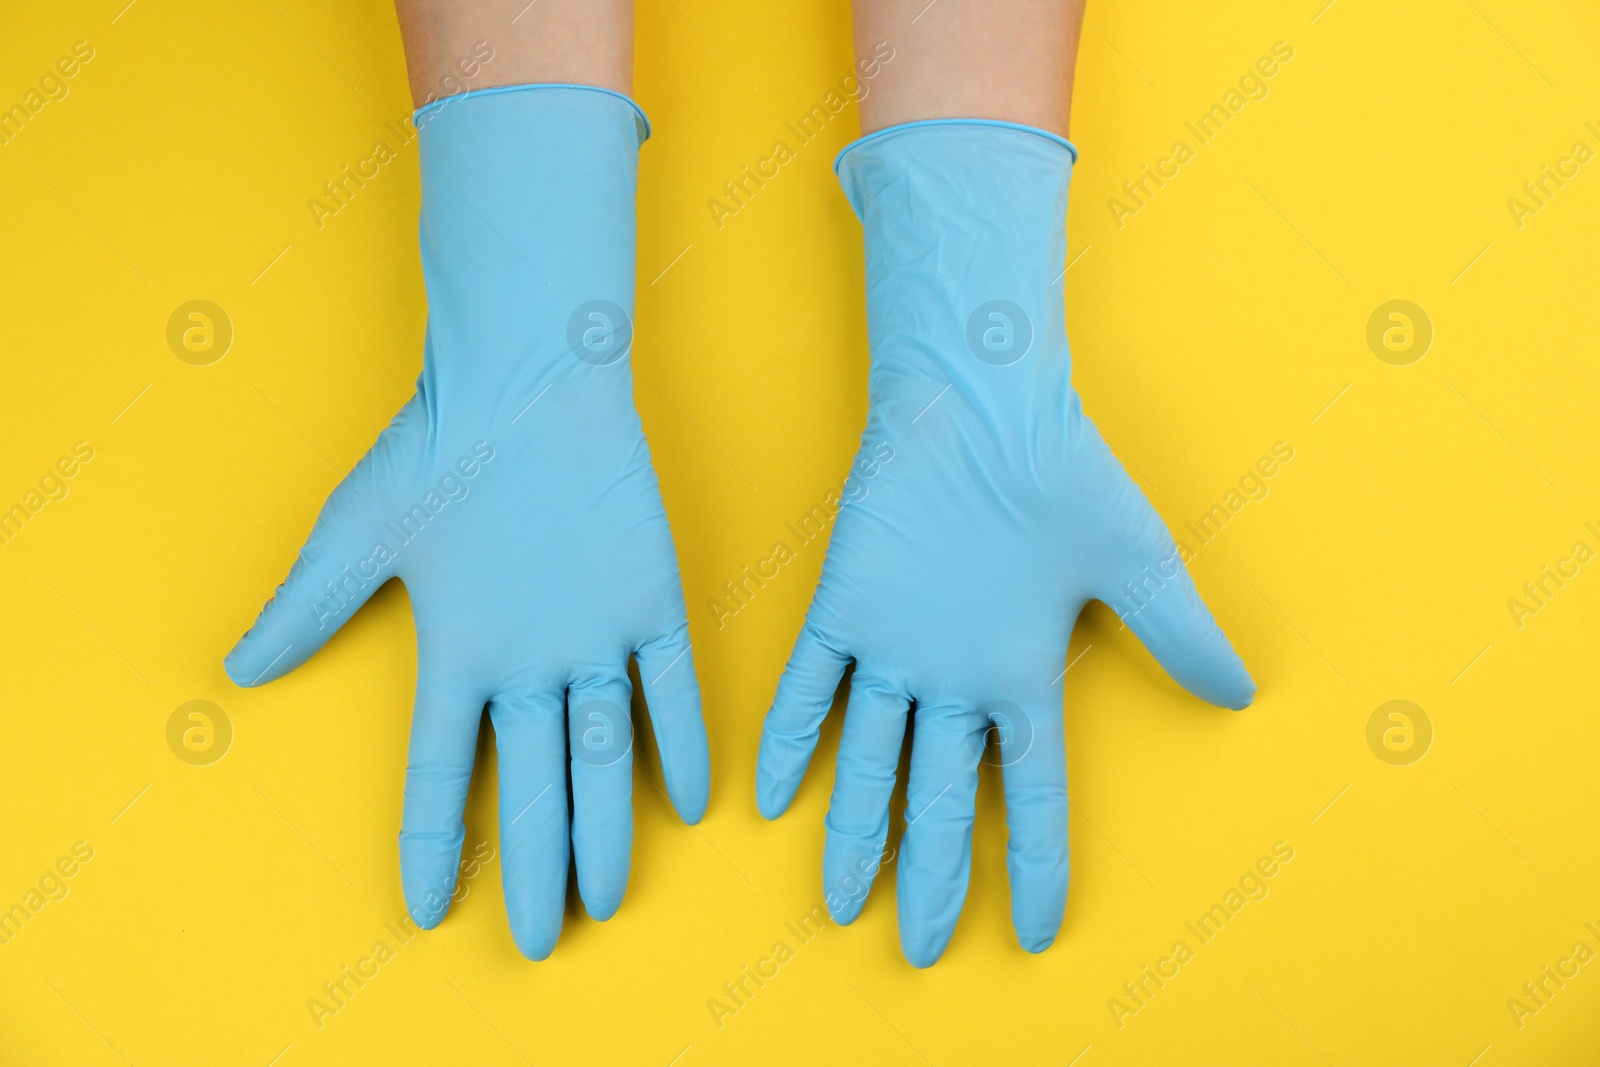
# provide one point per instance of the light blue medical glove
(983, 511)
(515, 498)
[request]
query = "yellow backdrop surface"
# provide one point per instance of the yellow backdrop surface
(1441, 902)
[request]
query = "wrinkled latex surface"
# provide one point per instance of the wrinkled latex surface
(515, 498)
(982, 512)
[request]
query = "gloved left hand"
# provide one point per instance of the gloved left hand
(515, 498)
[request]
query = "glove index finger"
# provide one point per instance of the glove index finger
(672, 695)
(805, 693)
(1032, 756)
(444, 743)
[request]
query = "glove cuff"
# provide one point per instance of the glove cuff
(891, 131)
(424, 114)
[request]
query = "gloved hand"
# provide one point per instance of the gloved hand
(514, 497)
(983, 511)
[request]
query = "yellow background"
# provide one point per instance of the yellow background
(1223, 317)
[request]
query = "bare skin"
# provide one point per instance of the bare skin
(984, 59)
(996, 59)
(578, 42)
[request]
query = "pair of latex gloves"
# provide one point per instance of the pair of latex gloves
(515, 498)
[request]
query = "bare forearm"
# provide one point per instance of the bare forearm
(582, 42)
(991, 59)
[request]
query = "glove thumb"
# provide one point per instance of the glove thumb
(342, 564)
(1165, 610)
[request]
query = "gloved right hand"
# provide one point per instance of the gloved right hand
(984, 511)
(515, 498)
